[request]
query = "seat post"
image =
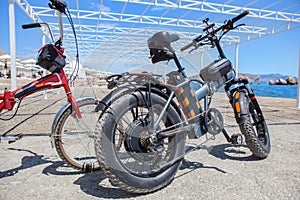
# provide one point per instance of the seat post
(180, 68)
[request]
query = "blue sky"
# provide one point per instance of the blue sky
(273, 54)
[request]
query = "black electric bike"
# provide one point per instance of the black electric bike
(140, 136)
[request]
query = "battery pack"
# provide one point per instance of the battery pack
(216, 70)
(185, 96)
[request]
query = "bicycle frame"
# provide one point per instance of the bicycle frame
(51, 81)
(148, 84)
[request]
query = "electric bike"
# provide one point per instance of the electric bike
(140, 136)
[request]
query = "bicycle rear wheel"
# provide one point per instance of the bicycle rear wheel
(126, 155)
(74, 138)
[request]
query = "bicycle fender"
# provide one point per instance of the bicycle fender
(120, 91)
(240, 106)
(62, 110)
(112, 96)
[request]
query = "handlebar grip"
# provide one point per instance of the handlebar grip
(243, 14)
(34, 25)
(187, 46)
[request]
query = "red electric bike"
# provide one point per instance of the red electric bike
(72, 128)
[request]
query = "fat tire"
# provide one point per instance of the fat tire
(259, 148)
(58, 134)
(110, 163)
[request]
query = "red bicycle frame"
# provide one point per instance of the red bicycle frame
(51, 81)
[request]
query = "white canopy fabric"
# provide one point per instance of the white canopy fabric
(29, 61)
(5, 57)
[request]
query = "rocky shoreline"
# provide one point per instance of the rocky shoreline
(273, 79)
(288, 81)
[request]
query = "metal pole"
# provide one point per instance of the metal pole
(237, 58)
(298, 96)
(202, 58)
(44, 71)
(12, 41)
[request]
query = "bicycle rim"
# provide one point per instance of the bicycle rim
(75, 143)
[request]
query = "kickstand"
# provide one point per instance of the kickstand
(225, 133)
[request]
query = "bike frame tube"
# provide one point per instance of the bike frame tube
(156, 124)
(55, 80)
(216, 42)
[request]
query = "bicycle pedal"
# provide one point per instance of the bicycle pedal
(11, 139)
(237, 139)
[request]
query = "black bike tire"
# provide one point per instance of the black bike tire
(107, 158)
(59, 146)
(258, 148)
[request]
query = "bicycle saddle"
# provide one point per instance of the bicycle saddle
(160, 46)
(162, 40)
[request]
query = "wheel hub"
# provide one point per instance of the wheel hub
(137, 142)
(136, 139)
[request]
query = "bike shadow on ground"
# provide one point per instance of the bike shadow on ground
(26, 162)
(230, 152)
(191, 166)
(223, 152)
(36, 160)
(194, 165)
(97, 185)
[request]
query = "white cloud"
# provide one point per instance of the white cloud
(97, 6)
(158, 8)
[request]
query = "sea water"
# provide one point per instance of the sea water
(282, 91)
(266, 90)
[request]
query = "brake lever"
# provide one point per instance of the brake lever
(196, 46)
(192, 50)
(238, 26)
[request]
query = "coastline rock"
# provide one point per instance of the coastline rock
(271, 82)
(291, 81)
(281, 82)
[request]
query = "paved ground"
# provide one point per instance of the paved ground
(31, 169)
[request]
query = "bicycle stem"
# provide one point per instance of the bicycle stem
(60, 25)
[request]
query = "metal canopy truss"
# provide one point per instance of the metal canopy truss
(111, 30)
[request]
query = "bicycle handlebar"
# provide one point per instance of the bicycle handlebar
(228, 24)
(240, 16)
(33, 25)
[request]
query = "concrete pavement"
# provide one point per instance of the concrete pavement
(31, 169)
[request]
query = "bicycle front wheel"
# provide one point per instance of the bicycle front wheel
(74, 138)
(256, 132)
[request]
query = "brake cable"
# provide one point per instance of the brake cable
(73, 77)
(15, 113)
